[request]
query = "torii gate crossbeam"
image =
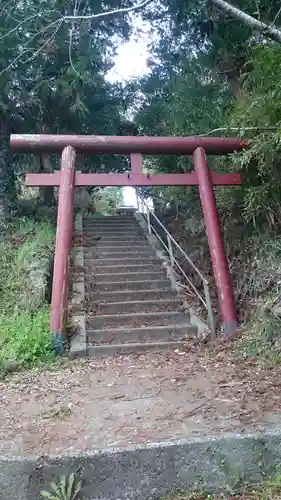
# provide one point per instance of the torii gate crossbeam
(67, 179)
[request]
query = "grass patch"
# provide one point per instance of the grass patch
(26, 249)
(25, 339)
(264, 340)
(25, 257)
(270, 489)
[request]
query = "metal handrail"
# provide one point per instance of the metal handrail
(205, 300)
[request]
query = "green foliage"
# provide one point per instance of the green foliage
(25, 339)
(107, 200)
(24, 262)
(263, 342)
(54, 83)
(270, 489)
(67, 488)
(25, 252)
(258, 106)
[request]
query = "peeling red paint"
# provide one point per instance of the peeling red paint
(125, 144)
(135, 179)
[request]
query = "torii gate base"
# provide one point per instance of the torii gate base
(67, 179)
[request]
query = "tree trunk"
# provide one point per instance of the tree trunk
(46, 193)
(267, 30)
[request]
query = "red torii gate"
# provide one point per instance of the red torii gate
(67, 178)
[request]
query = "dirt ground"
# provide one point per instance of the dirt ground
(135, 399)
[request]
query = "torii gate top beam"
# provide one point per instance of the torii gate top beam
(98, 144)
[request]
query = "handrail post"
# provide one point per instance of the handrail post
(138, 202)
(63, 247)
(171, 253)
(148, 220)
(211, 322)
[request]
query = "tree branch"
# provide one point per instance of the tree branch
(28, 42)
(44, 44)
(238, 129)
(34, 16)
(267, 30)
(71, 40)
(59, 21)
(106, 14)
(277, 15)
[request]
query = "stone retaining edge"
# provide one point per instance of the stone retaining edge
(149, 472)
(78, 343)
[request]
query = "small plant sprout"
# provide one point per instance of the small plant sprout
(67, 488)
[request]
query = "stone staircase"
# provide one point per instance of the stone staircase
(129, 301)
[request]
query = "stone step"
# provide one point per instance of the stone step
(112, 225)
(108, 218)
(138, 320)
(142, 245)
(112, 229)
(100, 261)
(130, 295)
(111, 286)
(145, 306)
(132, 276)
(125, 235)
(130, 237)
(118, 256)
(99, 351)
(103, 244)
(96, 254)
(130, 268)
(108, 239)
(142, 335)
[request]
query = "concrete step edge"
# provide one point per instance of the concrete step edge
(136, 283)
(133, 346)
(139, 273)
(143, 302)
(144, 330)
(120, 260)
(139, 252)
(98, 251)
(109, 250)
(125, 241)
(112, 227)
(140, 315)
(108, 218)
(126, 244)
(142, 292)
(120, 248)
(128, 266)
(113, 232)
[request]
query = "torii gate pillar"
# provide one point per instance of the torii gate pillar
(216, 245)
(60, 289)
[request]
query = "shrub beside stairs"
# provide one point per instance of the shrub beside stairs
(130, 298)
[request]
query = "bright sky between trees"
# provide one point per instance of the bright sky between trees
(131, 62)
